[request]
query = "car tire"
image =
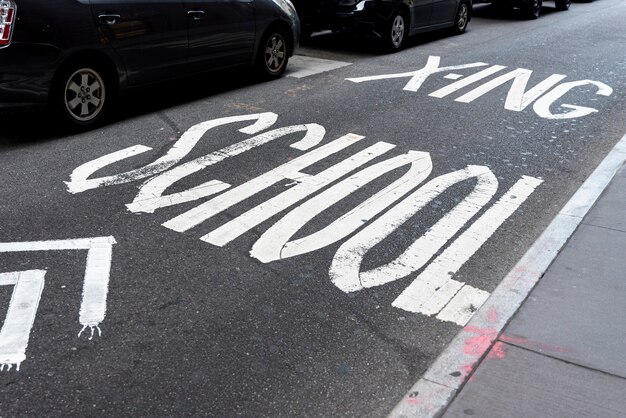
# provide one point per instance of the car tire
(533, 9)
(462, 17)
(82, 95)
(397, 30)
(273, 54)
(562, 4)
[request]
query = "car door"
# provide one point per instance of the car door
(150, 36)
(221, 33)
(444, 11)
(421, 11)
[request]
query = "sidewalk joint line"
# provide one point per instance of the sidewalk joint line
(562, 360)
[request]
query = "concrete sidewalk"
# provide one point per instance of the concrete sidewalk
(564, 352)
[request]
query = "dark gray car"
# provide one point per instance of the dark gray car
(78, 55)
(390, 20)
(530, 8)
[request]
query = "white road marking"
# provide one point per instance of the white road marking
(53, 245)
(29, 284)
(466, 81)
(147, 200)
(20, 317)
(437, 387)
(345, 270)
(463, 305)
(418, 77)
(288, 171)
(434, 287)
(301, 66)
(273, 245)
(517, 98)
(305, 187)
(80, 181)
(96, 285)
(150, 196)
(542, 106)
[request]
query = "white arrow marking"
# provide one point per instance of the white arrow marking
(20, 316)
(29, 285)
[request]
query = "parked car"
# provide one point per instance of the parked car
(530, 8)
(390, 20)
(77, 56)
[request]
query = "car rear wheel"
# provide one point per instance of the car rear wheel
(462, 17)
(397, 31)
(82, 95)
(533, 9)
(273, 54)
(562, 4)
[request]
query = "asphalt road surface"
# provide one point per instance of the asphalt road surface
(190, 258)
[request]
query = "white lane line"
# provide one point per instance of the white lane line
(54, 245)
(301, 66)
(432, 393)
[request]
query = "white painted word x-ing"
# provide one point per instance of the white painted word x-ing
(545, 94)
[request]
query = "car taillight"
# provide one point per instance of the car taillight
(7, 17)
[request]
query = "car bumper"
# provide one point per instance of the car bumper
(26, 72)
(512, 3)
(366, 18)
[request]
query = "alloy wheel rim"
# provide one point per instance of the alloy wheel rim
(536, 7)
(84, 94)
(397, 31)
(462, 16)
(275, 53)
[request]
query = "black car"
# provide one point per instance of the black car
(390, 20)
(530, 8)
(78, 55)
